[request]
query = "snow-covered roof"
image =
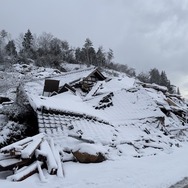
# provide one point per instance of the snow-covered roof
(37, 85)
(128, 105)
(72, 76)
(60, 126)
(125, 104)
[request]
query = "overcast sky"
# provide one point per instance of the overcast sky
(143, 34)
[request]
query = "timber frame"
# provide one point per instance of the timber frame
(88, 82)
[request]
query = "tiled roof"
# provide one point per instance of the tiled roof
(140, 134)
(127, 105)
(61, 126)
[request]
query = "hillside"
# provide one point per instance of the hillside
(132, 121)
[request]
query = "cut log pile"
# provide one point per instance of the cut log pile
(31, 155)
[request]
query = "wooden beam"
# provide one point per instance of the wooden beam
(25, 172)
(82, 139)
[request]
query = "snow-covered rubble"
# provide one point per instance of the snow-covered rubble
(138, 115)
(128, 119)
(29, 156)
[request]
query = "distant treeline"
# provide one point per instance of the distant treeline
(160, 78)
(48, 51)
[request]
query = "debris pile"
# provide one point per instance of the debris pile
(29, 156)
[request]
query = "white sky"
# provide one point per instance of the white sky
(143, 34)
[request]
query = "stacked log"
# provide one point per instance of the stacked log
(29, 156)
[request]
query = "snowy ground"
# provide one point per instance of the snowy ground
(160, 171)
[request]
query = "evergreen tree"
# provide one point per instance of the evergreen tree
(11, 49)
(3, 35)
(27, 45)
(27, 41)
(163, 79)
(155, 76)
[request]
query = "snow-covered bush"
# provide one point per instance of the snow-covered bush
(11, 132)
(22, 118)
(14, 112)
(20, 109)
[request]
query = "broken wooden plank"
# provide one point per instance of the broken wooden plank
(18, 146)
(29, 151)
(9, 164)
(50, 160)
(40, 155)
(6, 156)
(82, 139)
(60, 170)
(178, 128)
(152, 145)
(130, 143)
(12, 148)
(41, 174)
(25, 173)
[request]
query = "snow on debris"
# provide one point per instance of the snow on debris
(66, 77)
(120, 101)
(60, 126)
(92, 149)
(126, 105)
(21, 143)
(46, 151)
(127, 119)
(29, 156)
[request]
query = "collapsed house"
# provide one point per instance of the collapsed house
(94, 108)
(170, 104)
(123, 116)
